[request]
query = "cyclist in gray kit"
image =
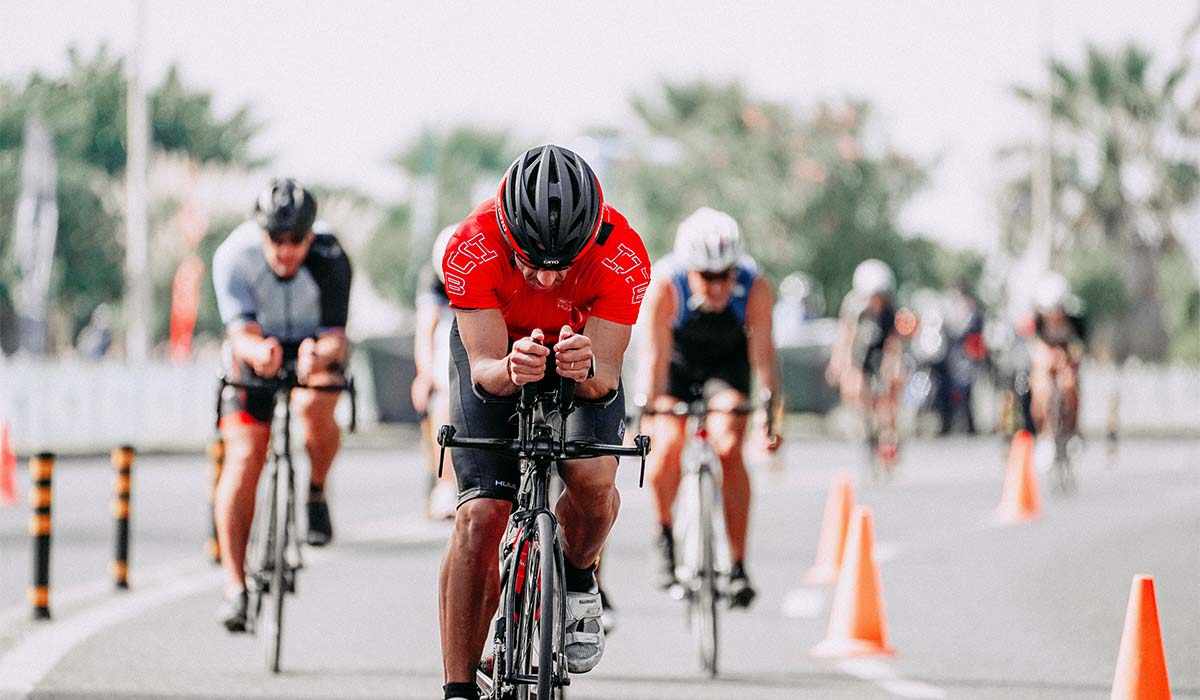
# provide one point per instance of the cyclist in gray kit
(283, 290)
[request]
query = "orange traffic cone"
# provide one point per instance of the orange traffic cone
(1141, 665)
(834, 527)
(857, 626)
(8, 468)
(1020, 501)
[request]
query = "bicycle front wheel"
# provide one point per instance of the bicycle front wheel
(539, 637)
(704, 600)
(280, 515)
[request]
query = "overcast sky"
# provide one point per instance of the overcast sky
(342, 89)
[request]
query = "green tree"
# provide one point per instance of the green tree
(808, 190)
(453, 163)
(1121, 184)
(85, 111)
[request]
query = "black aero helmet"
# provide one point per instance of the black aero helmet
(548, 206)
(285, 206)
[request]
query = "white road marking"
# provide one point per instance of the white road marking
(803, 604)
(883, 675)
(24, 666)
(886, 551)
(91, 591)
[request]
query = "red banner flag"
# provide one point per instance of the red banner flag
(8, 468)
(185, 305)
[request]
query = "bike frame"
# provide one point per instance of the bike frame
(271, 570)
(538, 450)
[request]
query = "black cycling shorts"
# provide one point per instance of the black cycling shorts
(250, 406)
(686, 381)
(488, 475)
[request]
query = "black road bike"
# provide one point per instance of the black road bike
(529, 636)
(273, 555)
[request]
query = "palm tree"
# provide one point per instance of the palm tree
(807, 187)
(1120, 182)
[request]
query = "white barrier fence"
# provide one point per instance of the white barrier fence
(73, 406)
(83, 407)
(1150, 399)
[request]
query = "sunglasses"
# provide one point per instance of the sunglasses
(719, 276)
(286, 237)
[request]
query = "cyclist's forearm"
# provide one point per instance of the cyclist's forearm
(423, 338)
(491, 375)
(605, 381)
(332, 348)
(246, 343)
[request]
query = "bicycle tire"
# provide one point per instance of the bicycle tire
(548, 592)
(524, 589)
(258, 553)
(704, 617)
(278, 590)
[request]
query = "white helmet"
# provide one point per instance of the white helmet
(708, 241)
(1052, 292)
(439, 249)
(874, 277)
(796, 287)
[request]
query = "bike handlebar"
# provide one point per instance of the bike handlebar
(698, 409)
(287, 381)
(545, 447)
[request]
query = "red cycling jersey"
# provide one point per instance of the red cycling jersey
(608, 281)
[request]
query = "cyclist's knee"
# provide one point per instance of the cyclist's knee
(315, 407)
(728, 445)
(479, 524)
(590, 479)
(245, 453)
(668, 446)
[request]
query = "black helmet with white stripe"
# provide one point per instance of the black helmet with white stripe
(549, 207)
(285, 206)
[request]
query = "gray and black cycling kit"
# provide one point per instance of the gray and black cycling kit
(709, 345)
(315, 300)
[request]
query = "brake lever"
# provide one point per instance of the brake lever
(220, 396)
(643, 444)
(445, 434)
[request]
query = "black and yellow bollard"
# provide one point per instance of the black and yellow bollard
(41, 472)
(216, 453)
(122, 461)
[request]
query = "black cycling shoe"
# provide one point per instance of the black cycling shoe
(664, 577)
(232, 612)
(320, 527)
(741, 593)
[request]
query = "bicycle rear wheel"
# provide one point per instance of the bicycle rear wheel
(280, 515)
(704, 599)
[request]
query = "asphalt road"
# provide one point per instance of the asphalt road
(973, 610)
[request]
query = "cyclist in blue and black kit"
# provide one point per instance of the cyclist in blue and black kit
(283, 290)
(710, 324)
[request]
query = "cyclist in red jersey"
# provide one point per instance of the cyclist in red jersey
(546, 281)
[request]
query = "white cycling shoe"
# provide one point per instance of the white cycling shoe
(585, 633)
